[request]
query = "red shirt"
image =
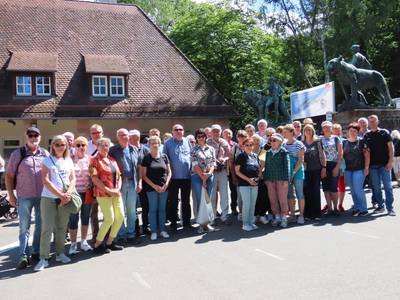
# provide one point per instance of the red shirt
(99, 167)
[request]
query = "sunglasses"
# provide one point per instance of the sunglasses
(33, 135)
(201, 137)
(80, 145)
(60, 145)
(178, 129)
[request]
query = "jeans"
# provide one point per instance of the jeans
(249, 198)
(157, 205)
(197, 185)
(355, 180)
(129, 197)
(380, 174)
(24, 207)
(84, 212)
(221, 186)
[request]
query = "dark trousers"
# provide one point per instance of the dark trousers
(173, 190)
(234, 194)
(262, 203)
(94, 218)
(312, 194)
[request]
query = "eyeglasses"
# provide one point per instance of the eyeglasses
(60, 145)
(33, 135)
(80, 145)
(178, 129)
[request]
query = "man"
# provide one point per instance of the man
(127, 157)
(297, 130)
(358, 60)
(177, 149)
(227, 135)
(154, 132)
(250, 129)
(222, 154)
(208, 132)
(96, 132)
(363, 122)
(24, 173)
(262, 126)
(381, 162)
(70, 139)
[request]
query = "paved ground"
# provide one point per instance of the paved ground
(337, 258)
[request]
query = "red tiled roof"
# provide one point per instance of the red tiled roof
(162, 81)
(106, 64)
(33, 62)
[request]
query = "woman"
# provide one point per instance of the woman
(315, 169)
(156, 173)
(396, 160)
(58, 183)
(295, 148)
(203, 164)
(81, 166)
(333, 149)
(248, 171)
(262, 202)
(337, 130)
(106, 178)
(276, 177)
(356, 155)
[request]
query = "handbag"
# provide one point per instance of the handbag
(75, 204)
(205, 213)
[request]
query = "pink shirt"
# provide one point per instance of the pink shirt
(29, 174)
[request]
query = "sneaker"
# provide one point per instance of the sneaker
(264, 220)
(341, 208)
(23, 262)
(355, 212)
(275, 222)
(254, 226)
(210, 228)
(115, 247)
(379, 210)
(101, 250)
(164, 234)
(73, 249)
(391, 212)
(247, 228)
(43, 263)
(363, 213)
(239, 217)
(300, 220)
(284, 223)
(85, 246)
(63, 258)
(153, 236)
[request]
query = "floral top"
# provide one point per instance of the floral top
(204, 158)
(109, 174)
(81, 166)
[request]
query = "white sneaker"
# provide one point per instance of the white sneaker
(254, 226)
(73, 249)
(247, 228)
(85, 246)
(264, 220)
(153, 236)
(43, 263)
(300, 220)
(164, 234)
(239, 217)
(63, 258)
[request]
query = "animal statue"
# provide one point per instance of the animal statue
(359, 80)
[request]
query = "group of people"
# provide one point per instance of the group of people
(266, 171)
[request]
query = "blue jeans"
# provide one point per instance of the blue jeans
(380, 174)
(355, 180)
(24, 207)
(129, 198)
(197, 185)
(157, 205)
(84, 212)
(249, 198)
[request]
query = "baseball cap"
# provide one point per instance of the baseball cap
(33, 130)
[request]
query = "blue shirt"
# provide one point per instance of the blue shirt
(178, 153)
(127, 160)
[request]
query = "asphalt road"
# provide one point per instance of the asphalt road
(336, 258)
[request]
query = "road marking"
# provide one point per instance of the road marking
(141, 280)
(8, 247)
(270, 254)
(361, 234)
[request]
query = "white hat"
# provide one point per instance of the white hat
(216, 126)
(134, 132)
(326, 123)
(277, 136)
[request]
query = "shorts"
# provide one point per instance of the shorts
(296, 186)
(396, 164)
(341, 185)
(85, 215)
(330, 182)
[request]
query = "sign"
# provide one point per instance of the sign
(312, 102)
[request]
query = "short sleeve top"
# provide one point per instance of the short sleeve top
(249, 166)
(107, 172)
(156, 170)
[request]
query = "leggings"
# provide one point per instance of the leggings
(112, 208)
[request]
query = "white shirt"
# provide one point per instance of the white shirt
(61, 167)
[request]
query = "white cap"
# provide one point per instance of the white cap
(134, 132)
(326, 123)
(277, 136)
(216, 126)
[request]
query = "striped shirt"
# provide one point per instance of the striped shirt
(81, 166)
(294, 148)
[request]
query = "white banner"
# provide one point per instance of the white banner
(312, 102)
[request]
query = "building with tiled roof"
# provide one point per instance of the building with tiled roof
(65, 65)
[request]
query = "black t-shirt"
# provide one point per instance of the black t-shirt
(156, 170)
(353, 154)
(249, 166)
(312, 161)
(396, 143)
(377, 142)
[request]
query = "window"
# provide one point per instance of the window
(43, 86)
(24, 86)
(117, 86)
(99, 86)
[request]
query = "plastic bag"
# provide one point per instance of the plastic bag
(205, 213)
